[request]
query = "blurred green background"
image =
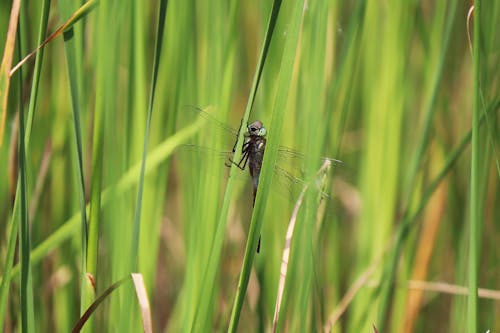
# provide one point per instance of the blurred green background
(390, 88)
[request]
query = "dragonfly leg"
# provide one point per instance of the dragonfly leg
(246, 155)
(244, 158)
(237, 135)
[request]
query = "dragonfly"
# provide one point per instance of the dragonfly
(252, 154)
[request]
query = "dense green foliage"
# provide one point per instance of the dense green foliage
(113, 162)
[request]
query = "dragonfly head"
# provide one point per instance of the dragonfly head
(256, 128)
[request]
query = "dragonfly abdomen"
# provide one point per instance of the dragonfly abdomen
(256, 147)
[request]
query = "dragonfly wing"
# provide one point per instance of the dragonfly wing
(213, 124)
(289, 154)
(292, 184)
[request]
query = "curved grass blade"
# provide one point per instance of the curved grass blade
(75, 17)
(288, 241)
(212, 266)
(284, 81)
(142, 299)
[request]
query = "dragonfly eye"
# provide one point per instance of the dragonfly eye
(255, 128)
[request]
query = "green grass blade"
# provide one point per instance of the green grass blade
(137, 216)
(284, 81)
(202, 310)
(37, 70)
(74, 18)
(9, 257)
(75, 82)
(105, 92)
(26, 297)
(475, 204)
(4, 288)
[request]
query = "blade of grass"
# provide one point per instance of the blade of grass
(311, 93)
(74, 18)
(75, 82)
(137, 217)
(4, 288)
(284, 80)
(26, 288)
(475, 204)
(105, 91)
(7, 63)
(141, 296)
(217, 67)
(448, 288)
(37, 70)
(215, 253)
(288, 241)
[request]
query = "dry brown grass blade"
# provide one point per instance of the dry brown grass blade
(8, 53)
(469, 17)
(452, 289)
(142, 297)
(285, 257)
(78, 14)
(433, 217)
(289, 234)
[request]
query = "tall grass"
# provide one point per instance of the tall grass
(390, 88)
